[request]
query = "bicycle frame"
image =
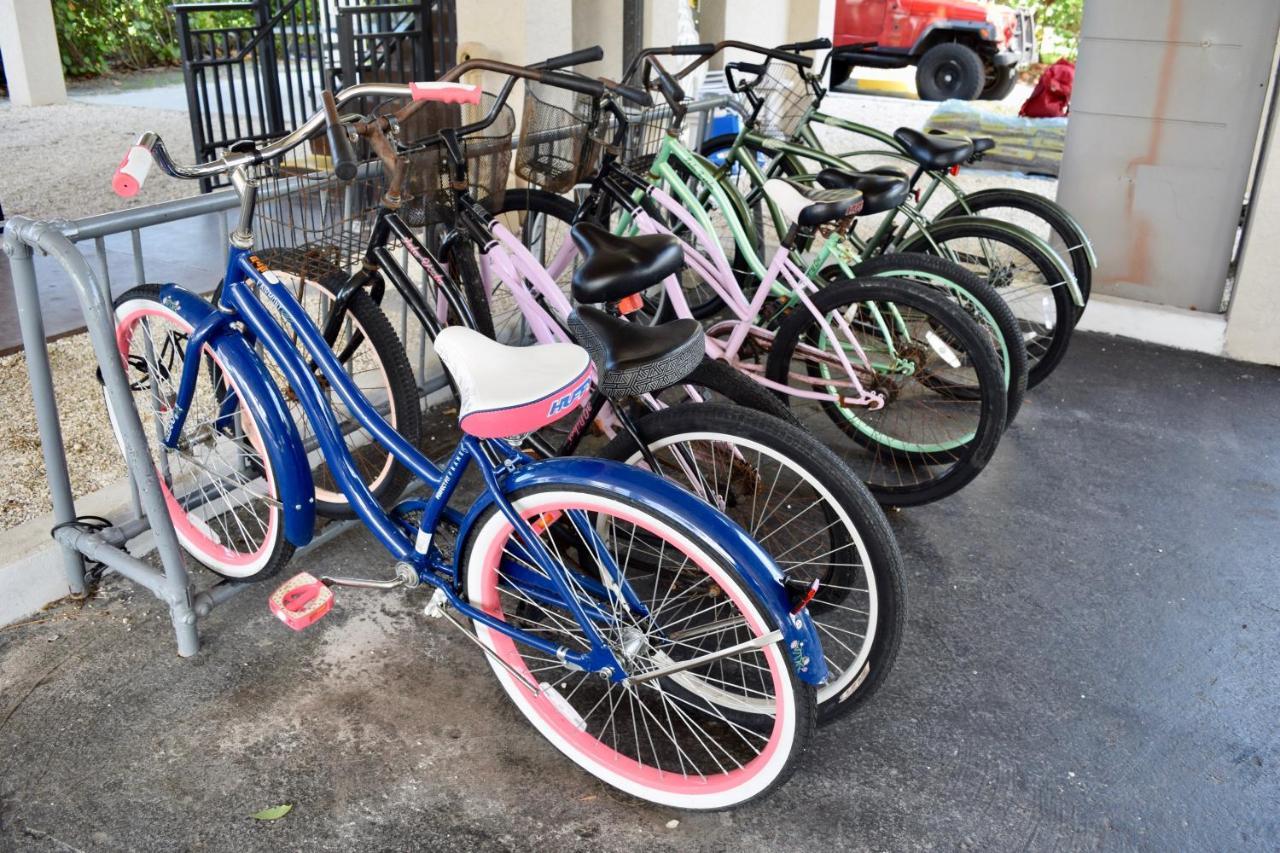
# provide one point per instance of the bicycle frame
(890, 233)
(806, 134)
(783, 276)
(495, 460)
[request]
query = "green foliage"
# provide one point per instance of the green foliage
(95, 36)
(1057, 25)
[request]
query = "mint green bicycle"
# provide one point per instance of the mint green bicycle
(777, 139)
(733, 218)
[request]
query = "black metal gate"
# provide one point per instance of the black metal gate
(254, 69)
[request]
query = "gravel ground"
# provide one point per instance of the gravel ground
(92, 455)
(59, 161)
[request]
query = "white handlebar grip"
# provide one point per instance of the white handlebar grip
(447, 93)
(132, 172)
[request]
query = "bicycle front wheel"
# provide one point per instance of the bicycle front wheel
(219, 481)
(804, 506)
(372, 355)
(666, 740)
(944, 398)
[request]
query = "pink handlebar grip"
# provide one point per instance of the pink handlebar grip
(131, 172)
(445, 93)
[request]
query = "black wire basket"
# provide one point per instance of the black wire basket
(646, 130)
(306, 221)
(429, 194)
(785, 96)
(553, 136)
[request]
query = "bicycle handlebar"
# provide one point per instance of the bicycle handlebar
(345, 164)
(630, 93)
(577, 57)
(813, 44)
(667, 85)
(150, 148)
(704, 52)
(855, 47)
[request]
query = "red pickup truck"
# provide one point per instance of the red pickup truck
(962, 49)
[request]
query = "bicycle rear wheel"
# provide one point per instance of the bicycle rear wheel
(219, 482)
(803, 505)
(1041, 216)
(927, 441)
(978, 299)
(1028, 279)
(667, 740)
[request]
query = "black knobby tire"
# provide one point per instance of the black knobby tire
(998, 82)
(1009, 347)
(949, 70)
(1062, 227)
(1044, 351)
(401, 390)
(727, 384)
(847, 496)
(961, 463)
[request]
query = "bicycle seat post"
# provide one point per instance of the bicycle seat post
(247, 188)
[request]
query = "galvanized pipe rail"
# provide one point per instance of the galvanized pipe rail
(171, 583)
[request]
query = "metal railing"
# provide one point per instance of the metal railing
(171, 582)
(255, 68)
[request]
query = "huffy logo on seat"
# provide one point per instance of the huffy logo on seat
(568, 401)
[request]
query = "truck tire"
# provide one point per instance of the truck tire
(999, 82)
(949, 70)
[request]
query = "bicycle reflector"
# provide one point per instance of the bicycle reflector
(800, 593)
(301, 601)
(630, 304)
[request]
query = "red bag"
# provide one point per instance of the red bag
(1051, 97)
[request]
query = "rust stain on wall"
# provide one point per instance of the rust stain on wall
(1139, 254)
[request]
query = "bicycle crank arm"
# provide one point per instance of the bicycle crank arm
(406, 576)
(671, 669)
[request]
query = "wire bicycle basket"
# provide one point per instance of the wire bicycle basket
(553, 136)
(311, 221)
(646, 129)
(785, 97)
(487, 153)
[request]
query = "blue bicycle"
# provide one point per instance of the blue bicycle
(642, 632)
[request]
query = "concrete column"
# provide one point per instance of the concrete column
(662, 22)
(32, 62)
(599, 23)
(1253, 320)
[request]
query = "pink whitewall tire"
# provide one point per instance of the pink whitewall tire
(220, 485)
(665, 741)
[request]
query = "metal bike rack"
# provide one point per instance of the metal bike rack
(171, 583)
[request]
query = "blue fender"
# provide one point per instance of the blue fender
(713, 530)
(294, 485)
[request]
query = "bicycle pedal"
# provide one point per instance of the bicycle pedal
(300, 601)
